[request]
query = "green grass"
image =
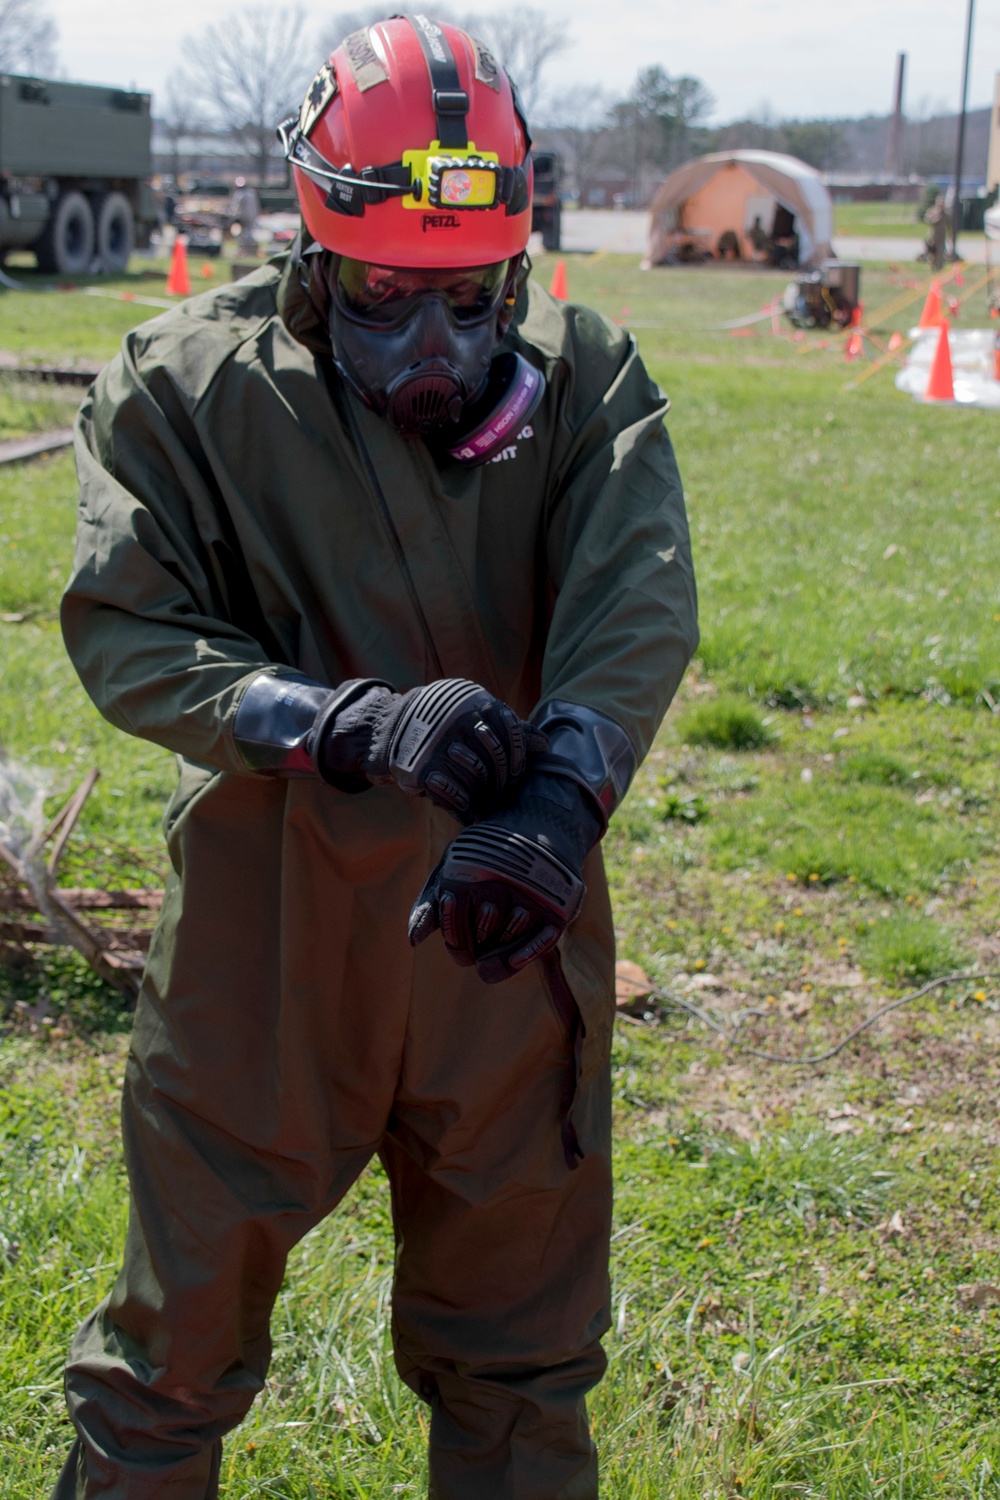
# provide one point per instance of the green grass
(878, 220)
(910, 949)
(815, 828)
(726, 724)
(27, 408)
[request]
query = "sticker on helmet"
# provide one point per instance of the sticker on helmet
(321, 91)
(434, 34)
(364, 60)
(486, 68)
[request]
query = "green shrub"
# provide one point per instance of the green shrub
(684, 807)
(876, 768)
(62, 977)
(907, 948)
(799, 1173)
(726, 724)
(877, 835)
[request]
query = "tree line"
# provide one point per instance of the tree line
(238, 77)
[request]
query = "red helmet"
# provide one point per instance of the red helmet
(411, 149)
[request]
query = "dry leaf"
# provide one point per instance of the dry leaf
(977, 1293)
(795, 1004)
(632, 985)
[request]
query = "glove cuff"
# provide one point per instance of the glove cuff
(343, 735)
(589, 748)
(281, 720)
(571, 817)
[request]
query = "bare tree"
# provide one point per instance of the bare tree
(249, 72)
(524, 40)
(575, 124)
(28, 37)
(180, 116)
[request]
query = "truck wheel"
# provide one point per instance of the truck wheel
(66, 247)
(115, 232)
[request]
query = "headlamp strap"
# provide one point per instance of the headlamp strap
(451, 102)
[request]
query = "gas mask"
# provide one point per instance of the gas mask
(419, 346)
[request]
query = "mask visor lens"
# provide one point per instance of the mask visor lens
(384, 294)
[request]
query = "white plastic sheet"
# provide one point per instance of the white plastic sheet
(971, 363)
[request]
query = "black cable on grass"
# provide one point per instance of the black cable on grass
(730, 1037)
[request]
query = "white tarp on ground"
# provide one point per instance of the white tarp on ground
(792, 183)
(971, 363)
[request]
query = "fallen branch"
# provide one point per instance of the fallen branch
(120, 967)
(17, 450)
(14, 899)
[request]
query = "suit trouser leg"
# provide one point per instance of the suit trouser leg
(501, 1293)
(172, 1360)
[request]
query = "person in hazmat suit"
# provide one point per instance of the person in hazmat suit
(244, 210)
(390, 548)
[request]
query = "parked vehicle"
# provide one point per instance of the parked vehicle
(74, 164)
(546, 206)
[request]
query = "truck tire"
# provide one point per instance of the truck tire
(66, 247)
(115, 232)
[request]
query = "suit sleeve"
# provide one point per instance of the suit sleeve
(624, 620)
(149, 614)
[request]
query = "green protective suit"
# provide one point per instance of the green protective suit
(236, 513)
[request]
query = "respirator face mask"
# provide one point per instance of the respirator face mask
(419, 346)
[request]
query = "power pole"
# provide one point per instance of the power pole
(956, 206)
(894, 152)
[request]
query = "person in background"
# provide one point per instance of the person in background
(244, 210)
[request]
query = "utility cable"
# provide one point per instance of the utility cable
(729, 1035)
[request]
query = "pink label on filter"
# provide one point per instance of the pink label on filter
(482, 442)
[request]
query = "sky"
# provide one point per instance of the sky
(797, 58)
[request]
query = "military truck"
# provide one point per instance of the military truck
(74, 159)
(546, 203)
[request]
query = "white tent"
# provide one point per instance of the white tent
(728, 191)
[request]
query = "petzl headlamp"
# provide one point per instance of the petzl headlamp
(461, 179)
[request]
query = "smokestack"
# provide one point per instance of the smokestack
(894, 150)
(993, 167)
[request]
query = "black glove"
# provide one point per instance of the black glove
(505, 891)
(452, 742)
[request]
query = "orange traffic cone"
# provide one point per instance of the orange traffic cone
(941, 386)
(559, 287)
(206, 271)
(931, 315)
(855, 346)
(858, 316)
(178, 281)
